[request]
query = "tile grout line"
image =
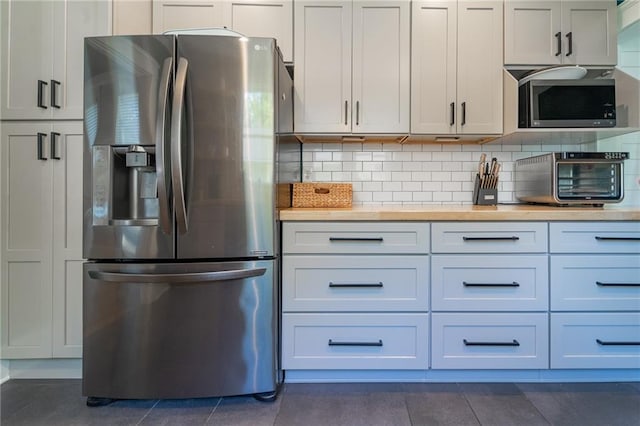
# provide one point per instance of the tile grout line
(213, 411)
(148, 412)
(532, 403)
(464, 395)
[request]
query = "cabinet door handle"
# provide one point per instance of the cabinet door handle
(357, 113)
(54, 137)
(464, 114)
(41, 137)
(614, 343)
(513, 238)
(356, 285)
(513, 284)
(512, 343)
(346, 111)
(617, 238)
(333, 343)
(570, 39)
(376, 239)
(452, 107)
(54, 102)
(559, 39)
(600, 283)
(41, 84)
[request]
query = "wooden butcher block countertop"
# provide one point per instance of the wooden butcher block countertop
(463, 213)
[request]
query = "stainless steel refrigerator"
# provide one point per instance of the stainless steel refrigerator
(187, 139)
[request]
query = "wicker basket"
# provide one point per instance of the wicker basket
(318, 194)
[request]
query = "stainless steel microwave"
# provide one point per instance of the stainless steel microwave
(567, 103)
(570, 178)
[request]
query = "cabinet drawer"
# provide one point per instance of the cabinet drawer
(594, 237)
(489, 237)
(355, 283)
(355, 237)
(481, 283)
(595, 283)
(489, 341)
(595, 340)
(355, 341)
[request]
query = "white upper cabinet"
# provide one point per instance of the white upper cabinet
(352, 66)
(42, 45)
(581, 32)
(262, 18)
(186, 14)
(456, 67)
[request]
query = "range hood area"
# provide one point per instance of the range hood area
(627, 111)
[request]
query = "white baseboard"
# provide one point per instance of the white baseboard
(44, 368)
(4, 370)
(423, 376)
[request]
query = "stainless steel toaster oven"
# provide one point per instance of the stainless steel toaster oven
(571, 178)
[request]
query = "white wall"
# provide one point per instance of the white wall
(414, 173)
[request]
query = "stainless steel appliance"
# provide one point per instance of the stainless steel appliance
(567, 103)
(570, 178)
(186, 139)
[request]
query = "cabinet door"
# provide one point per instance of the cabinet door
(26, 200)
(263, 18)
(433, 66)
(533, 32)
(479, 98)
(131, 17)
(322, 55)
(380, 66)
(590, 32)
(183, 14)
(73, 21)
(26, 57)
(67, 240)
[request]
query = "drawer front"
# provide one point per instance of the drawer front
(489, 341)
(355, 341)
(489, 237)
(355, 283)
(355, 237)
(482, 283)
(595, 340)
(594, 237)
(595, 283)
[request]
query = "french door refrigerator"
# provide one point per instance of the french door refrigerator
(186, 139)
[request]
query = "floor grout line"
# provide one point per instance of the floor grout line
(148, 412)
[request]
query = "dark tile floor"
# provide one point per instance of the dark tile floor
(59, 402)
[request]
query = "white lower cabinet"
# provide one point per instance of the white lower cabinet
(595, 340)
(595, 295)
(489, 340)
(352, 341)
(355, 296)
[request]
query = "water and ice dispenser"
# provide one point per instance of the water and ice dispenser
(125, 190)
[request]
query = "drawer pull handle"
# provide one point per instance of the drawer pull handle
(617, 284)
(358, 285)
(332, 343)
(617, 238)
(468, 343)
(513, 284)
(513, 238)
(360, 239)
(603, 343)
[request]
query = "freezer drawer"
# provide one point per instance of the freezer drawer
(179, 330)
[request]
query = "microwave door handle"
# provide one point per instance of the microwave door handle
(161, 173)
(176, 146)
(195, 277)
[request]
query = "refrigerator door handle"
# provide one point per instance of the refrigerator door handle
(163, 185)
(176, 146)
(196, 277)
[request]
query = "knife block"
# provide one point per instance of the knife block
(484, 196)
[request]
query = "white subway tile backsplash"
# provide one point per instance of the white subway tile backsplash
(413, 174)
